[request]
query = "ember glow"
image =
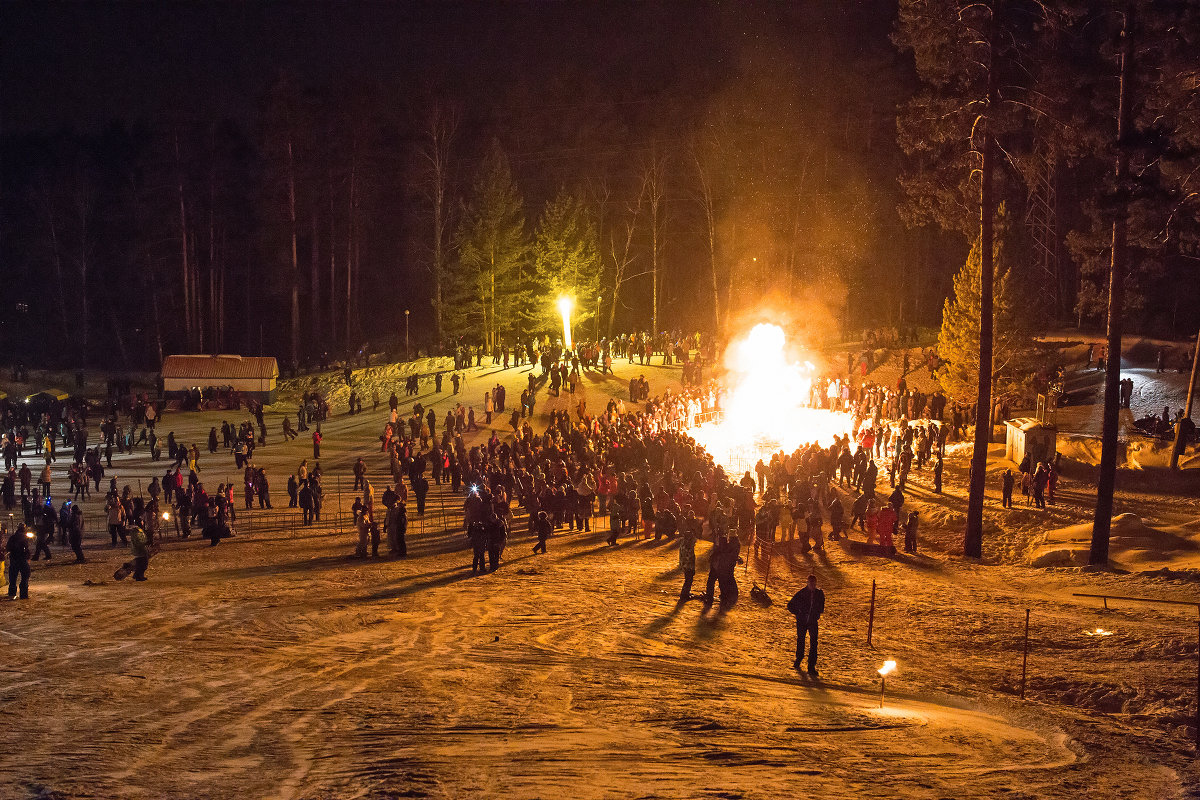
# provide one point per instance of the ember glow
(765, 406)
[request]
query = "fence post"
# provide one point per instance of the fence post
(871, 616)
(1025, 655)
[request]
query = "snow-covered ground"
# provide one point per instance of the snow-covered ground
(275, 665)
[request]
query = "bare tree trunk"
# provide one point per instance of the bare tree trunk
(439, 136)
(491, 321)
(110, 307)
(56, 260)
(733, 245)
(197, 316)
(213, 258)
(350, 236)
(358, 283)
(212, 261)
(656, 187)
(183, 245)
(221, 293)
(333, 294)
(84, 267)
(157, 318)
(707, 202)
(1109, 440)
(295, 275)
(314, 280)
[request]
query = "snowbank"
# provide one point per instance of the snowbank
(1136, 452)
(382, 380)
(1133, 544)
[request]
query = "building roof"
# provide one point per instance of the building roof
(1029, 424)
(48, 394)
(221, 367)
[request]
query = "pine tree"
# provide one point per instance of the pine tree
(958, 340)
(566, 262)
(974, 60)
(488, 286)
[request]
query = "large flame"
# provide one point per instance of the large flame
(766, 404)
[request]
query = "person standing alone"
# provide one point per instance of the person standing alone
(807, 605)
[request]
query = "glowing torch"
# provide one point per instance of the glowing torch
(888, 667)
(564, 308)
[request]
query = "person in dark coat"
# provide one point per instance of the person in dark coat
(396, 523)
(837, 518)
(726, 579)
(75, 533)
(477, 534)
(716, 567)
(17, 548)
(45, 518)
(304, 497)
(421, 490)
(497, 537)
(543, 529)
(807, 605)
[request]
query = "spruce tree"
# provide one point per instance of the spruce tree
(958, 340)
(566, 261)
(487, 285)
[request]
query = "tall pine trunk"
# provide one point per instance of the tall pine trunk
(186, 275)
(295, 275)
(973, 540)
(1102, 521)
(350, 235)
(973, 537)
(314, 280)
(333, 320)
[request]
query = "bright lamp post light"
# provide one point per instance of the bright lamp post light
(889, 666)
(564, 307)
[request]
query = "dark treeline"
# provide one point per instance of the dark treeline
(669, 167)
(665, 181)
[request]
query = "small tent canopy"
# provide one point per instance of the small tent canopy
(48, 395)
(252, 375)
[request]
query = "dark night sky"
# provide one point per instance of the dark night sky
(79, 65)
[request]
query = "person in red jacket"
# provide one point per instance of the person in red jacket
(317, 442)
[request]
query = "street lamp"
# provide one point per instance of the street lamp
(407, 354)
(596, 332)
(564, 307)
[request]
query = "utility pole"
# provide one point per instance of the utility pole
(1177, 445)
